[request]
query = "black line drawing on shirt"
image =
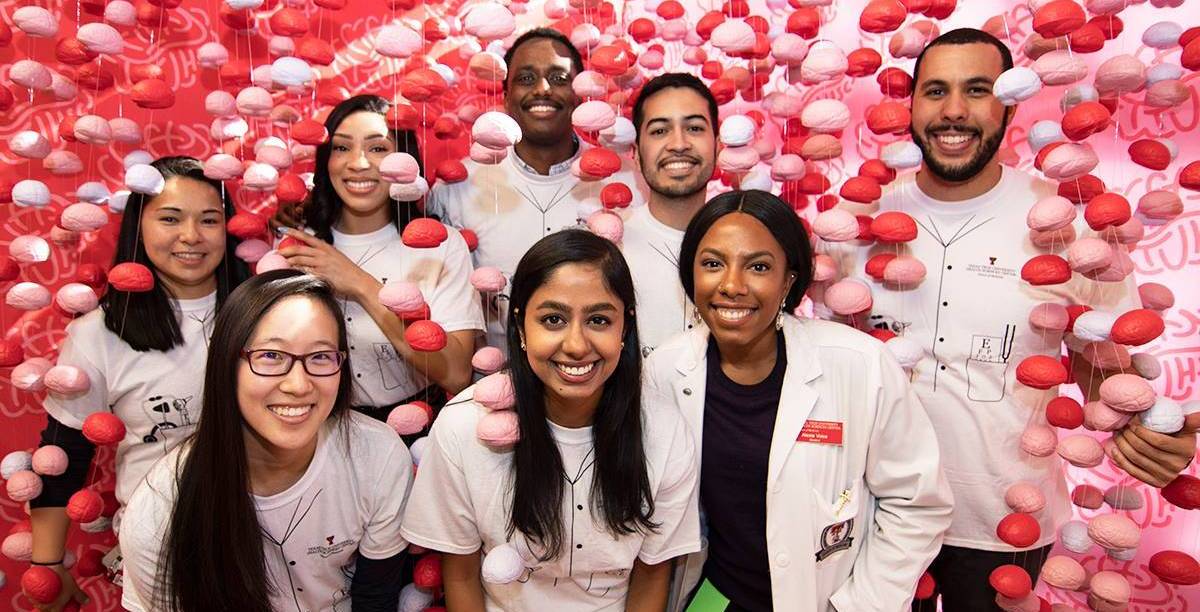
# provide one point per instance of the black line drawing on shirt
(933, 230)
(881, 321)
(527, 193)
(584, 466)
(206, 322)
(293, 524)
(385, 356)
(166, 412)
(987, 365)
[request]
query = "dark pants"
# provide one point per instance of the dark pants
(961, 576)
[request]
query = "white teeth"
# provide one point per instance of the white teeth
(290, 411)
(953, 139)
(680, 165)
(733, 314)
(541, 108)
(190, 256)
(361, 185)
(576, 370)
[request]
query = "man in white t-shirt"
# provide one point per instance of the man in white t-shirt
(675, 116)
(531, 192)
(970, 314)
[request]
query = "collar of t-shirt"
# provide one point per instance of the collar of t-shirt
(910, 193)
(383, 234)
(570, 435)
(556, 169)
(200, 304)
(312, 473)
(666, 232)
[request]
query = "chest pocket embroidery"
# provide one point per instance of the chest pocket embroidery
(987, 365)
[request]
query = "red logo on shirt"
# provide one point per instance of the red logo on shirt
(821, 432)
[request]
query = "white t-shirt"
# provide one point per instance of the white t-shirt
(461, 503)
(651, 249)
(443, 273)
(156, 394)
(510, 207)
(349, 500)
(972, 314)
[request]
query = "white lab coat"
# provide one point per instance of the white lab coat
(888, 463)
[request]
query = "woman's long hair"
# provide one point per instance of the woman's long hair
(212, 557)
(621, 487)
(146, 320)
(324, 206)
(775, 215)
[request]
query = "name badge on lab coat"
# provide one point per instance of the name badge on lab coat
(821, 432)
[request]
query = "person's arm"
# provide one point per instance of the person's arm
(648, 586)
(450, 367)
(376, 583)
(48, 514)
(914, 504)
(1151, 457)
(461, 579)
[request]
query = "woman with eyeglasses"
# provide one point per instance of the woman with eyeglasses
(284, 499)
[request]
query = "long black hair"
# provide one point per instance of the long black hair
(146, 320)
(620, 488)
(212, 557)
(775, 215)
(324, 206)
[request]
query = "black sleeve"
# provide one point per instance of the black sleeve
(376, 584)
(56, 490)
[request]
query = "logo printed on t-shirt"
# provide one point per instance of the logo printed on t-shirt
(330, 548)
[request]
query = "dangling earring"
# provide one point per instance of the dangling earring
(779, 319)
(696, 320)
(522, 344)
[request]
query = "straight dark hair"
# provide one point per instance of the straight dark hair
(964, 36)
(540, 33)
(324, 206)
(672, 80)
(212, 556)
(779, 219)
(620, 492)
(146, 320)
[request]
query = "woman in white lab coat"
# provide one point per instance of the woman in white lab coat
(821, 483)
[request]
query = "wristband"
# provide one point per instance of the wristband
(47, 564)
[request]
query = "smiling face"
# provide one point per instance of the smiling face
(539, 94)
(183, 232)
(741, 279)
(358, 145)
(677, 143)
(956, 119)
(573, 329)
(283, 414)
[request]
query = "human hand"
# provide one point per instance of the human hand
(1151, 457)
(317, 257)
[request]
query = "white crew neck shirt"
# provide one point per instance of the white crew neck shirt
(971, 313)
(156, 394)
(443, 273)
